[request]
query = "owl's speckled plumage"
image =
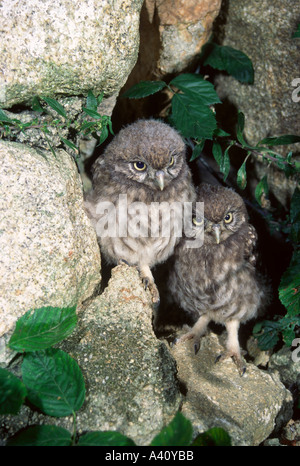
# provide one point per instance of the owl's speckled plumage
(145, 161)
(217, 281)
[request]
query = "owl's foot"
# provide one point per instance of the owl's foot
(189, 336)
(148, 282)
(237, 359)
(153, 290)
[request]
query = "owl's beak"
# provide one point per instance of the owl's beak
(160, 179)
(217, 233)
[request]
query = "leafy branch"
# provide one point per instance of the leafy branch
(51, 115)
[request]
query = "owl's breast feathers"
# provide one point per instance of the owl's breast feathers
(216, 279)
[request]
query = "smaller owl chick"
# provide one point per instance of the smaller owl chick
(216, 281)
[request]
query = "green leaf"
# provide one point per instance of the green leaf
(42, 328)
(36, 106)
(240, 129)
(88, 126)
(289, 325)
(197, 87)
(267, 334)
(100, 98)
(144, 89)
(91, 101)
(281, 140)
(295, 216)
(262, 190)
(242, 175)
(289, 288)
(216, 437)
(103, 135)
(12, 393)
(92, 113)
(297, 32)
(69, 144)
(55, 106)
(217, 153)
(225, 163)
(192, 119)
(197, 150)
(42, 436)
(235, 62)
(4, 117)
(107, 438)
(178, 433)
(54, 381)
(219, 132)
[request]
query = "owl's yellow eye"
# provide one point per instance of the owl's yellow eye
(198, 222)
(140, 166)
(171, 161)
(228, 218)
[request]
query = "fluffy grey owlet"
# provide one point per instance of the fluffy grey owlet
(217, 282)
(139, 187)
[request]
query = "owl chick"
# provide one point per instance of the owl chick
(217, 282)
(143, 179)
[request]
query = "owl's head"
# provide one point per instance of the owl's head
(148, 152)
(224, 213)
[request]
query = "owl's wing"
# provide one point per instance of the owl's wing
(251, 239)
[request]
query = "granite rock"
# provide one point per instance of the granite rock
(247, 407)
(49, 251)
(66, 47)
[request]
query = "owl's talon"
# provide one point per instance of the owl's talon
(218, 358)
(145, 282)
(236, 359)
(123, 261)
(174, 342)
(196, 347)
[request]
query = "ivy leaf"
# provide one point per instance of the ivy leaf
(213, 437)
(107, 438)
(192, 119)
(42, 328)
(144, 89)
(12, 393)
(235, 62)
(281, 140)
(42, 436)
(178, 433)
(197, 87)
(289, 288)
(56, 106)
(262, 190)
(54, 381)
